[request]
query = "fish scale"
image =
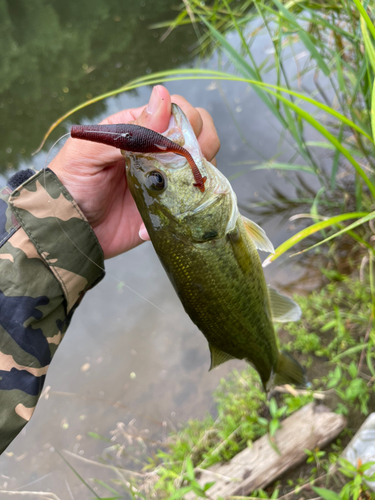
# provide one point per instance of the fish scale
(217, 293)
(209, 252)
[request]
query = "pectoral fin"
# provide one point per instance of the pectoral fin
(218, 357)
(258, 236)
(283, 309)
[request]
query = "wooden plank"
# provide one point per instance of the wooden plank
(313, 426)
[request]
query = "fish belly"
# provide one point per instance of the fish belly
(222, 288)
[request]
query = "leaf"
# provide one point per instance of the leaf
(273, 407)
(200, 74)
(326, 494)
(274, 425)
(351, 350)
(369, 46)
(352, 370)
(277, 166)
(190, 469)
(243, 67)
(367, 218)
(314, 206)
(373, 110)
(365, 16)
(98, 436)
(262, 421)
(328, 145)
(325, 132)
(207, 486)
(367, 466)
(301, 235)
(106, 486)
(112, 498)
(78, 475)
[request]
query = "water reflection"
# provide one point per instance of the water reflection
(56, 55)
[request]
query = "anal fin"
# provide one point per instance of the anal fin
(218, 357)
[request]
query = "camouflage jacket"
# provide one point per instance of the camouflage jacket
(49, 257)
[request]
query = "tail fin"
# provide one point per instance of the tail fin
(288, 371)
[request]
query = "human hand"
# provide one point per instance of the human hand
(94, 174)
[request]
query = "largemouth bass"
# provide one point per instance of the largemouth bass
(209, 252)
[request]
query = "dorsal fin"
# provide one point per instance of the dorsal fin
(258, 236)
(218, 357)
(283, 309)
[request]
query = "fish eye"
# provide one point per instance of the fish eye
(156, 180)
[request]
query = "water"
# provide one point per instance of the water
(122, 358)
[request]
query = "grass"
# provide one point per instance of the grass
(334, 40)
(336, 342)
(331, 340)
(333, 94)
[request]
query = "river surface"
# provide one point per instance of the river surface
(131, 354)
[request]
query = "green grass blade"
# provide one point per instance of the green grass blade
(365, 16)
(331, 147)
(308, 231)
(78, 475)
(367, 218)
(348, 352)
(178, 21)
(295, 131)
(244, 68)
(304, 36)
(340, 75)
(373, 110)
(326, 494)
(319, 105)
(369, 46)
(202, 74)
(320, 128)
(277, 166)
(106, 486)
(314, 207)
(335, 163)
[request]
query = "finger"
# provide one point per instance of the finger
(157, 113)
(192, 113)
(208, 139)
(154, 115)
(143, 234)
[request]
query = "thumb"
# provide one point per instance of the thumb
(157, 113)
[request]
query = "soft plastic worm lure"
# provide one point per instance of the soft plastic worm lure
(137, 139)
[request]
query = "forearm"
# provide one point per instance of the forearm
(49, 257)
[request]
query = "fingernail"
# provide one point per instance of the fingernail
(143, 234)
(154, 101)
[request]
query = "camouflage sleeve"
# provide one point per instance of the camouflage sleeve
(49, 257)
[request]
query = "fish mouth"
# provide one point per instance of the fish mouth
(180, 131)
